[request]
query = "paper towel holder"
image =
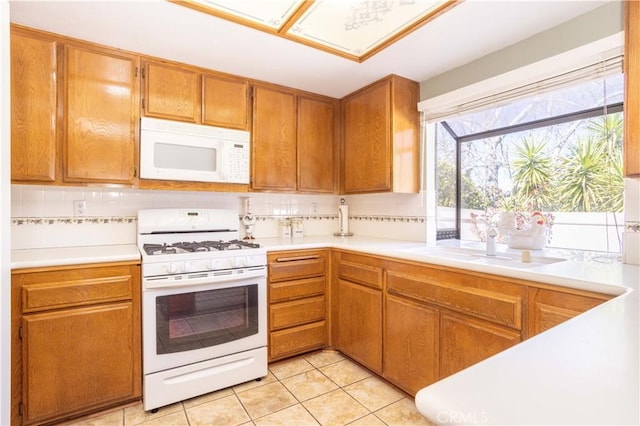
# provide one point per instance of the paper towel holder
(343, 223)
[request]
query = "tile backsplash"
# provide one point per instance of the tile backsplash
(45, 216)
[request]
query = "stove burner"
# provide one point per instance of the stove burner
(154, 249)
(200, 246)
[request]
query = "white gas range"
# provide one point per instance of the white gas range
(203, 304)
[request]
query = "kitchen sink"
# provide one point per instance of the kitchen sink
(454, 253)
(479, 256)
(515, 261)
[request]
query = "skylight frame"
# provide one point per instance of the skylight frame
(288, 24)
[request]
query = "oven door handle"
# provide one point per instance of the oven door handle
(196, 278)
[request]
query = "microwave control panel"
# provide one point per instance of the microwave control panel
(238, 163)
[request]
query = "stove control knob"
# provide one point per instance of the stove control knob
(187, 267)
(244, 261)
(172, 268)
(211, 265)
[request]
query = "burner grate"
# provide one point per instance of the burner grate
(197, 246)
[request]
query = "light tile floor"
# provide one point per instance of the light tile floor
(321, 388)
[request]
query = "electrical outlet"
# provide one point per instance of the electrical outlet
(79, 208)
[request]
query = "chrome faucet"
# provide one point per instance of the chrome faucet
(492, 233)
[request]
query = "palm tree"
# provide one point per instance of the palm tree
(582, 180)
(533, 174)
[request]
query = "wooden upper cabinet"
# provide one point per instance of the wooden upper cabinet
(273, 160)
(316, 137)
(381, 138)
(367, 140)
(225, 102)
(183, 93)
(33, 107)
(100, 115)
(632, 90)
(171, 92)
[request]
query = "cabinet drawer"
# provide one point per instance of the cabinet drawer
(296, 289)
(78, 292)
(287, 266)
(296, 340)
(496, 307)
(297, 312)
(357, 272)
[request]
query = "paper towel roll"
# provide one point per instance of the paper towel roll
(343, 221)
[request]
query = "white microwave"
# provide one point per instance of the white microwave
(172, 150)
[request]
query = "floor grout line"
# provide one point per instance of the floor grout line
(298, 402)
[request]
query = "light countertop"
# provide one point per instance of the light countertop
(60, 256)
(583, 371)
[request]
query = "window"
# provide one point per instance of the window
(559, 153)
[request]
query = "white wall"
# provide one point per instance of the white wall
(598, 24)
(5, 236)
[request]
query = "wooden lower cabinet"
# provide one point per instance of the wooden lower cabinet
(413, 324)
(297, 302)
(411, 330)
(465, 341)
(360, 324)
(296, 340)
(76, 341)
(77, 359)
(548, 308)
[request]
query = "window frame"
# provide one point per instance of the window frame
(450, 233)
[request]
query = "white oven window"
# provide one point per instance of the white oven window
(184, 157)
(196, 320)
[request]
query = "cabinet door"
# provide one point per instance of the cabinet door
(316, 139)
(410, 344)
(33, 108)
(273, 162)
(171, 93)
(465, 341)
(632, 90)
(77, 359)
(367, 140)
(549, 308)
(360, 324)
(225, 102)
(100, 115)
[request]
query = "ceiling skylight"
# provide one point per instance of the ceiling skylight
(354, 29)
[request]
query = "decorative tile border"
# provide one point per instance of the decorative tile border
(73, 220)
(361, 218)
(268, 218)
(80, 220)
(399, 219)
(632, 226)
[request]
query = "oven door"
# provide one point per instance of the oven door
(192, 323)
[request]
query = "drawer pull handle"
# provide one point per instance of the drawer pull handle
(296, 258)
